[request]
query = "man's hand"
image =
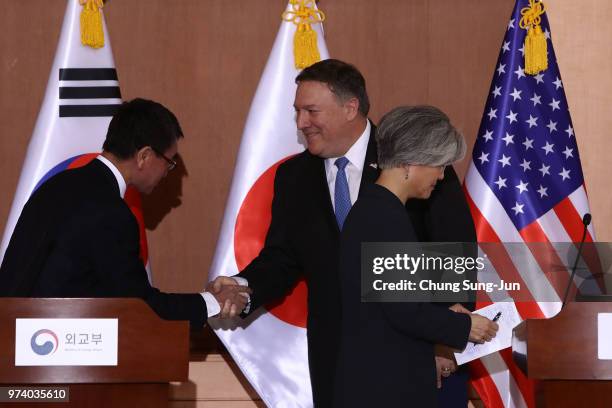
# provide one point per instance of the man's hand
(482, 329)
(219, 282)
(231, 297)
(445, 363)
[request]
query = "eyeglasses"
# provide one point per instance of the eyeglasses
(171, 163)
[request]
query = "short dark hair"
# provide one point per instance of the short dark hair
(139, 123)
(344, 80)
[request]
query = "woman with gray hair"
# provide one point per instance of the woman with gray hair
(417, 139)
(387, 349)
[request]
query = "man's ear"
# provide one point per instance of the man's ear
(142, 156)
(351, 107)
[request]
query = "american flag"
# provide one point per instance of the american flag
(524, 184)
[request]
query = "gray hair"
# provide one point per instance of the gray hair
(419, 135)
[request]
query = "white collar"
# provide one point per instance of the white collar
(357, 152)
(116, 173)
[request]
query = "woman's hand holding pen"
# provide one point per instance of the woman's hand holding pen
(482, 329)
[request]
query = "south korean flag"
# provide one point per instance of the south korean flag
(82, 94)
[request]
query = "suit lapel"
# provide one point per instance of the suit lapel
(370, 165)
(321, 195)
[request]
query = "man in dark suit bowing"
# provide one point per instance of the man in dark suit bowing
(76, 236)
(313, 193)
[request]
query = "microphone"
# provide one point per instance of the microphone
(586, 220)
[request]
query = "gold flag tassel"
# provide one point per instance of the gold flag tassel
(536, 54)
(92, 33)
(303, 15)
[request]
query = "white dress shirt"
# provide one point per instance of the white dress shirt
(354, 169)
(212, 306)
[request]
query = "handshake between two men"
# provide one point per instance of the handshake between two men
(232, 297)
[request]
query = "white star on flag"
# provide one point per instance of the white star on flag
(516, 94)
(518, 208)
(511, 117)
(501, 183)
(505, 161)
(544, 170)
(542, 191)
(492, 114)
(508, 138)
(532, 121)
(526, 165)
(548, 148)
(488, 135)
(522, 187)
(484, 157)
(520, 72)
(565, 174)
(554, 104)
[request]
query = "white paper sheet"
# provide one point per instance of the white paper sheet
(508, 320)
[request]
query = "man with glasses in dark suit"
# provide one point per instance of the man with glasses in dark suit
(76, 236)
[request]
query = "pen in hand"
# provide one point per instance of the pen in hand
(495, 318)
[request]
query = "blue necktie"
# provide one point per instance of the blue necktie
(342, 198)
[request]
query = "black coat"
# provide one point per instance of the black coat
(303, 240)
(387, 349)
(76, 237)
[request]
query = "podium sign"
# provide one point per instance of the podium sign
(58, 342)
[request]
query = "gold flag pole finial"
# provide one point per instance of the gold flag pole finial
(536, 54)
(92, 33)
(303, 15)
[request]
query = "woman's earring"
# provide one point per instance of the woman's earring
(407, 173)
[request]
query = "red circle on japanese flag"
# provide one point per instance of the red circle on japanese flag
(250, 231)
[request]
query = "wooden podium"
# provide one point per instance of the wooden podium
(151, 353)
(562, 353)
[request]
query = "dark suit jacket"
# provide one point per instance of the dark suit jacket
(303, 240)
(76, 237)
(387, 349)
